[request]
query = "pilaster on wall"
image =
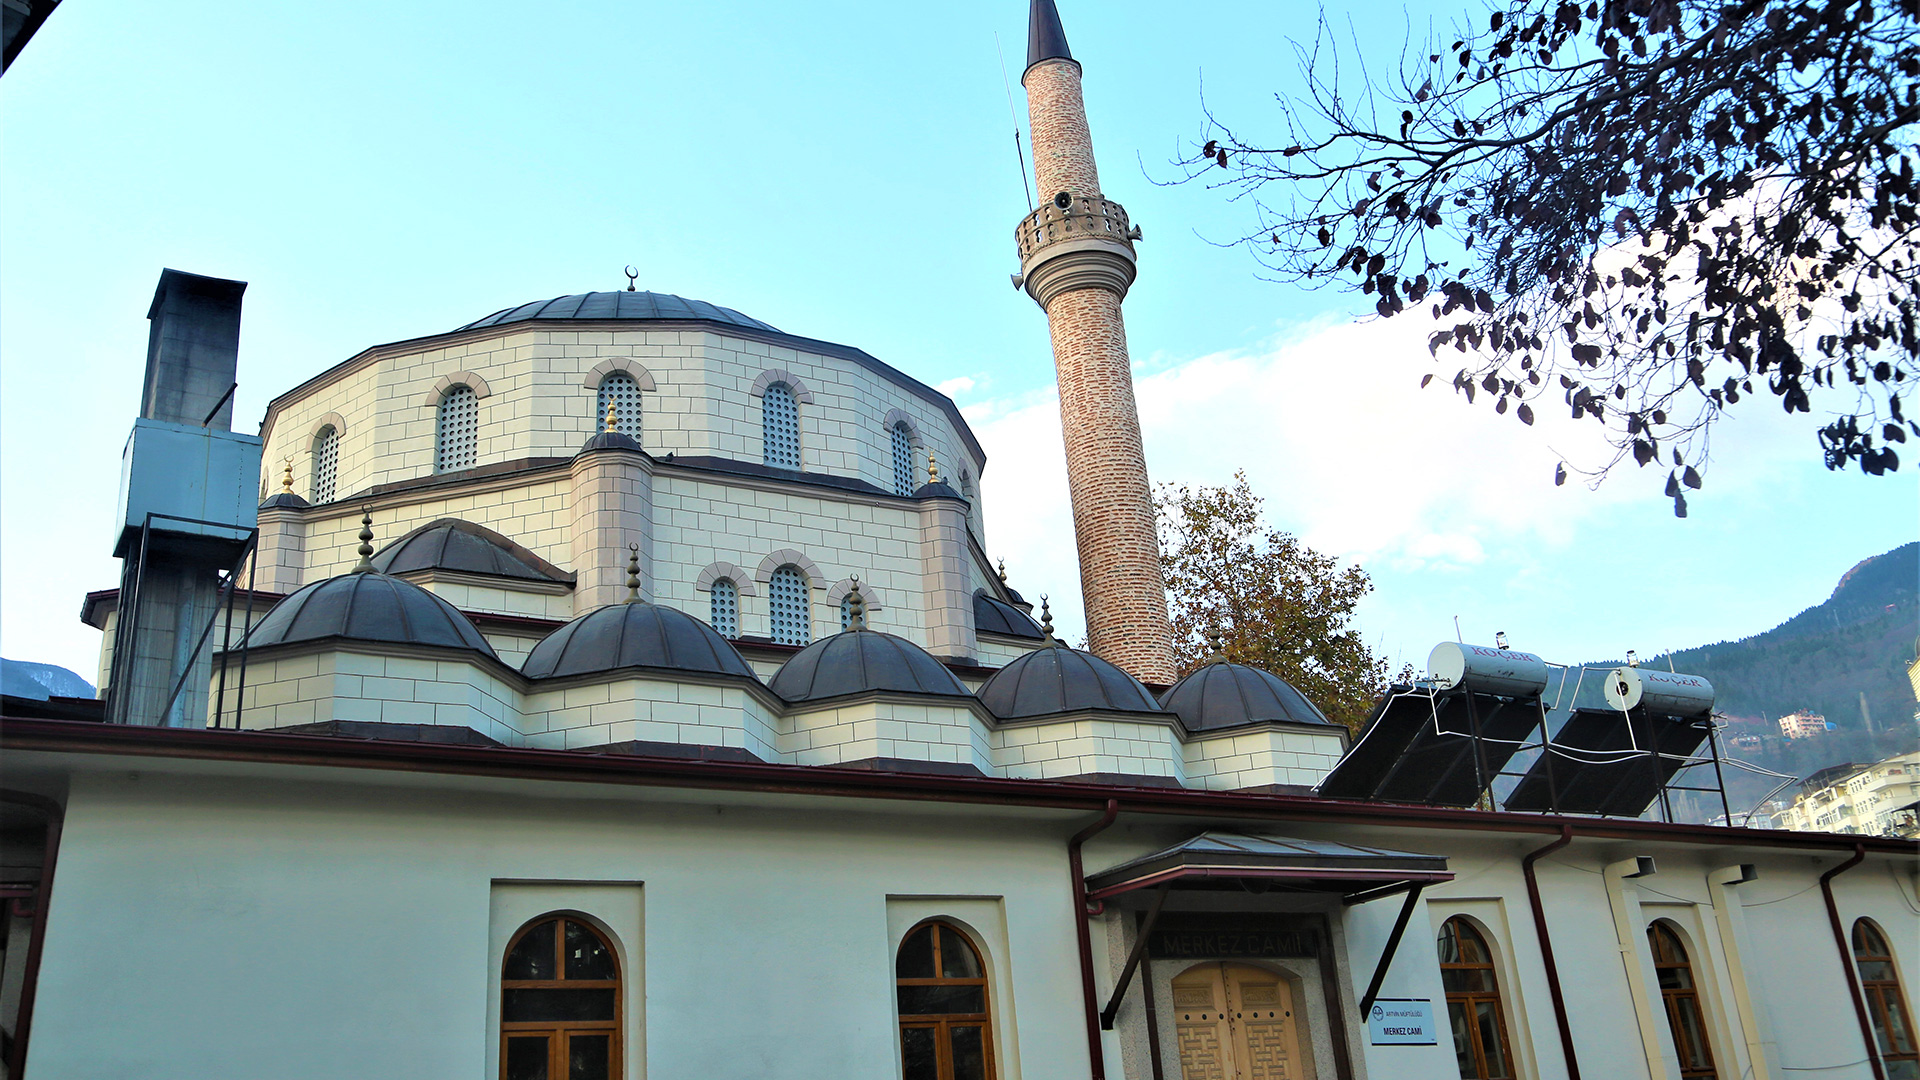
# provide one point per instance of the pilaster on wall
(283, 550)
(944, 577)
(612, 507)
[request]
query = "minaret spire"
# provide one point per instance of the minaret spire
(1077, 262)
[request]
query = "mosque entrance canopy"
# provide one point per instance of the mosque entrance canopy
(1237, 861)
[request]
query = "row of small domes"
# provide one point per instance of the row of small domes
(372, 606)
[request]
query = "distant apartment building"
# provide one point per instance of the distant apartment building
(1872, 800)
(1804, 724)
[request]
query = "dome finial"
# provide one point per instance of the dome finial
(633, 562)
(612, 416)
(632, 276)
(286, 479)
(856, 608)
(1214, 653)
(933, 467)
(366, 542)
(1003, 570)
(1046, 624)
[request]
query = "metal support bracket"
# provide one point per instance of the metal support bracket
(1393, 946)
(1133, 958)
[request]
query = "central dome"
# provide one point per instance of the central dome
(622, 306)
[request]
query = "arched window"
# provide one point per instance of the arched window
(787, 595)
(621, 391)
(1886, 1004)
(1474, 1011)
(459, 423)
(560, 1003)
(1681, 994)
(326, 463)
(846, 612)
(946, 1032)
(902, 458)
(780, 424)
(725, 608)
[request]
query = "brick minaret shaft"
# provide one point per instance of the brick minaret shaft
(1077, 261)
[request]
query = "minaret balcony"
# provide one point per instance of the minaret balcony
(1095, 231)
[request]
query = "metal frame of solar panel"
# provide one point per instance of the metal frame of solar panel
(1625, 787)
(1442, 749)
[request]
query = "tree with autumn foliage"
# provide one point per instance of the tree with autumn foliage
(1273, 602)
(1651, 210)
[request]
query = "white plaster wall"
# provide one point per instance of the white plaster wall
(282, 928)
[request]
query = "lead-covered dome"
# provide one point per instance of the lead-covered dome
(367, 606)
(856, 661)
(622, 306)
(1224, 695)
(991, 615)
(634, 635)
(454, 544)
(1058, 680)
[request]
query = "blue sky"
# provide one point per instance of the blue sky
(843, 171)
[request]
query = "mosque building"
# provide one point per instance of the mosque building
(620, 686)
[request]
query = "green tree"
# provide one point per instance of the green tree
(1650, 209)
(1273, 602)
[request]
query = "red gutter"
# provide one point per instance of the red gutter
(1095, 1053)
(1846, 958)
(332, 751)
(37, 934)
(1546, 948)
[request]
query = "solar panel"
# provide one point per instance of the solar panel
(1623, 783)
(1419, 747)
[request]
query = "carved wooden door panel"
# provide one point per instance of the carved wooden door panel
(1235, 1022)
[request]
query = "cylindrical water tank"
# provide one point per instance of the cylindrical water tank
(1662, 692)
(1487, 670)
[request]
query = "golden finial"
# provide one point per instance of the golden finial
(366, 542)
(933, 468)
(1046, 623)
(612, 425)
(1003, 571)
(856, 608)
(633, 566)
(286, 478)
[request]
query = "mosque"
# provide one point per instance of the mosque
(620, 686)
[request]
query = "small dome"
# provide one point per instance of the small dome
(991, 615)
(285, 498)
(855, 661)
(1059, 679)
(610, 440)
(936, 490)
(1229, 695)
(633, 635)
(367, 606)
(453, 544)
(622, 306)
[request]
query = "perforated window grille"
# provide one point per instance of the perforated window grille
(846, 612)
(902, 460)
(623, 393)
(326, 463)
(459, 416)
(726, 609)
(780, 422)
(787, 594)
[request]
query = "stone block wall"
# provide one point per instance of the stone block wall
(859, 730)
(649, 710)
(1259, 757)
(1051, 748)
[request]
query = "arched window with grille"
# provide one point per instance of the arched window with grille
(1680, 992)
(724, 608)
(622, 391)
(780, 426)
(560, 1003)
(787, 597)
(902, 458)
(846, 612)
(946, 1026)
(1886, 1002)
(457, 438)
(326, 463)
(1474, 1010)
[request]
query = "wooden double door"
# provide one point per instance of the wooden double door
(1238, 1022)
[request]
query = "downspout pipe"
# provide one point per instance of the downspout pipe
(1846, 958)
(1546, 949)
(1096, 1055)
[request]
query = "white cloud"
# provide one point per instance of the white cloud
(954, 387)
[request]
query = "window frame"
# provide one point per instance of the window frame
(457, 396)
(1470, 999)
(732, 602)
(900, 442)
(943, 1023)
(804, 631)
(627, 421)
(562, 1031)
(1674, 1000)
(325, 479)
(782, 409)
(1885, 999)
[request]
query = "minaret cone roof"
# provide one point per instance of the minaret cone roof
(1046, 39)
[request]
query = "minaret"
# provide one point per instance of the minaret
(1076, 261)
